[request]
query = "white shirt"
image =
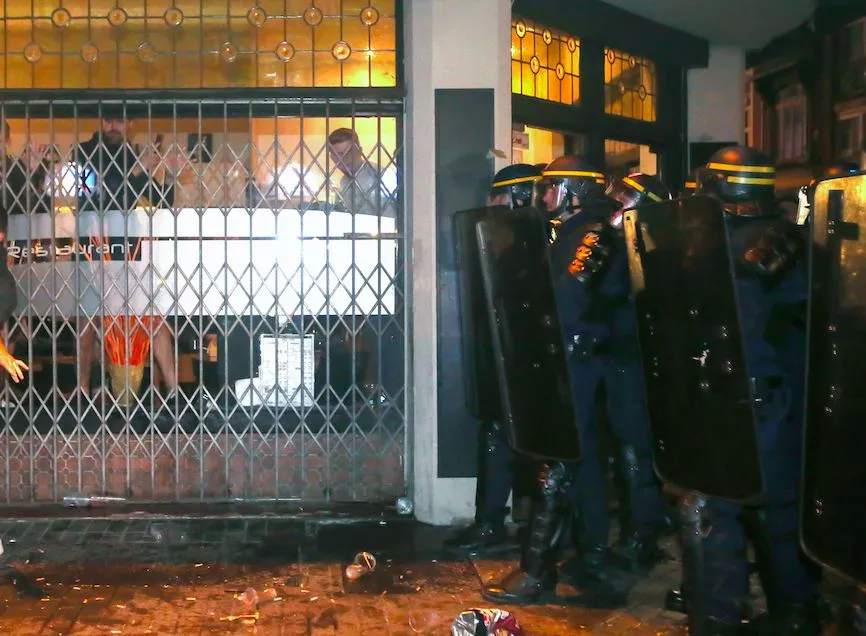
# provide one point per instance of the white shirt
(369, 192)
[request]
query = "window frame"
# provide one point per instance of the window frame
(797, 103)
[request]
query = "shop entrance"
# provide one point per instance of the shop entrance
(210, 299)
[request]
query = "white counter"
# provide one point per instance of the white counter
(212, 262)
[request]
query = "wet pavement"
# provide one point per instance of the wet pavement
(129, 574)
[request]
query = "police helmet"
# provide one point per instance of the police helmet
(568, 177)
(691, 184)
(518, 182)
(742, 177)
(638, 189)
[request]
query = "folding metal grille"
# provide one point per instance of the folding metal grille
(210, 300)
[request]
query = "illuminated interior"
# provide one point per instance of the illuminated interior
(194, 44)
(622, 158)
(537, 145)
(263, 152)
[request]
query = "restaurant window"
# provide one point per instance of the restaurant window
(545, 63)
(629, 86)
(198, 44)
(541, 146)
(622, 158)
(791, 117)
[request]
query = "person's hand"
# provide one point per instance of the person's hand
(14, 366)
(148, 161)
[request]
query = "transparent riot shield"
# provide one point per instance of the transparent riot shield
(834, 482)
(528, 347)
(699, 393)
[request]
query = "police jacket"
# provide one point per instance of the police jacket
(106, 180)
(591, 279)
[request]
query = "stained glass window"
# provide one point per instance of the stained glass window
(545, 63)
(197, 43)
(629, 86)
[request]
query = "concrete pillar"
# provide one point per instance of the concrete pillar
(716, 97)
(450, 44)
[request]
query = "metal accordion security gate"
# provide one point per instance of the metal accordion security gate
(210, 298)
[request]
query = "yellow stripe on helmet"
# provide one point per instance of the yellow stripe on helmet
(751, 181)
(572, 173)
(691, 184)
(729, 167)
(508, 182)
(634, 184)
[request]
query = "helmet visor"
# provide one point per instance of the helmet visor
(551, 194)
(627, 196)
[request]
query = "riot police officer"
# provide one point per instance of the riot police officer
(768, 253)
(514, 187)
(807, 192)
(644, 514)
(582, 242)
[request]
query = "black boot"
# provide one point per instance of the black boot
(536, 576)
(675, 601)
(637, 553)
(637, 549)
(487, 536)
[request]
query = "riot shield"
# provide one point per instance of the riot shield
(535, 391)
(699, 394)
(833, 511)
(481, 384)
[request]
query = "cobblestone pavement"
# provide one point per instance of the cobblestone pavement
(189, 576)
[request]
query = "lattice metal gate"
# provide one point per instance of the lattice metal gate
(210, 299)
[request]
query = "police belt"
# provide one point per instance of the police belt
(586, 346)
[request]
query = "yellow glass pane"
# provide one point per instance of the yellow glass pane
(19, 71)
(2, 71)
(356, 70)
(75, 72)
(383, 35)
(189, 70)
(540, 50)
(327, 70)
(158, 7)
(236, 7)
(528, 81)
(186, 38)
(384, 70)
(242, 35)
(45, 72)
(515, 45)
(553, 87)
(329, 7)
(353, 7)
(271, 71)
(327, 34)
(213, 35)
(296, 7)
(17, 9)
(213, 71)
(575, 91)
(565, 89)
(16, 40)
(515, 76)
(132, 71)
(356, 34)
(135, 8)
(299, 71)
(104, 71)
(272, 7)
(527, 48)
(299, 34)
(271, 34)
(385, 7)
(575, 62)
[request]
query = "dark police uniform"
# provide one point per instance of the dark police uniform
(770, 272)
(587, 294)
(496, 475)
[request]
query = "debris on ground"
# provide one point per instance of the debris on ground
(486, 622)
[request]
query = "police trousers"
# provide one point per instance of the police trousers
(725, 586)
(626, 409)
